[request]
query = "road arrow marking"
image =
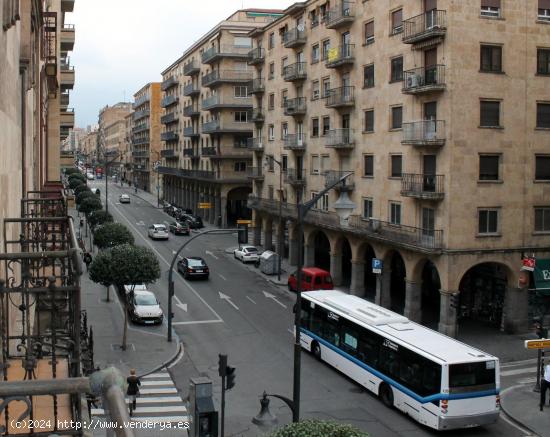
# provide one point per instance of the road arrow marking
(250, 299)
(211, 254)
(222, 276)
(180, 304)
(228, 300)
(140, 223)
(271, 296)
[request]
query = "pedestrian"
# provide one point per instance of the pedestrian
(133, 390)
(135, 189)
(544, 385)
(87, 260)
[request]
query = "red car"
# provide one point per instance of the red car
(313, 278)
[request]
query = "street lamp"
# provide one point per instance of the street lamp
(344, 207)
(269, 159)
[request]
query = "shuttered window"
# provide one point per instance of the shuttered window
(543, 115)
(489, 114)
(397, 21)
(369, 32)
(543, 61)
(491, 59)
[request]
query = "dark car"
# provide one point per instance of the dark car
(195, 222)
(193, 267)
(179, 228)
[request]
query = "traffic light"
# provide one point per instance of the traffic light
(229, 377)
(454, 301)
(222, 365)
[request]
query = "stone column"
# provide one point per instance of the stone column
(357, 286)
(268, 235)
(413, 301)
(223, 211)
(515, 312)
(293, 248)
(211, 211)
(257, 235)
(309, 255)
(217, 203)
(383, 287)
(336, 268)
(447, 314)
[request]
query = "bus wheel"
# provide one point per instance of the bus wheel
(316, 350)
(386, 395)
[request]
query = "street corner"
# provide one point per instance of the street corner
(521, 404)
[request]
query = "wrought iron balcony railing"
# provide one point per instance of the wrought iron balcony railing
(332, 176)
(168, 153)
(341, 15)
(340, 139)
(170, 118)
(141, 114)
(424, 79)
(255, 144)
(295, 177)
(224, 51)
(424, 26)
(191, 68)
(294, 72)
(141, 100)
(169, 101)
(296, 106)
(169, 136)
(216, 77)
(169, 83)
(294, 38)
(225, 101)
(191, 89)
(257, 116)
(341, 97)
(423, 186)
(295, 142)
(424, 133)
(256, 173)
(190, 131)
(191, 111)
(256, 56)
(341, 55)
(257, 86)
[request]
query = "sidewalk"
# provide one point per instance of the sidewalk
(522, 404)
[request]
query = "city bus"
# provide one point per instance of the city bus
(437, 380)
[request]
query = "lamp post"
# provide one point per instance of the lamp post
(343, 206)
(281, 228)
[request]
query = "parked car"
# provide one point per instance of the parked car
(195, 222)
(144, 307)
(124, 198)
(166, 207)
(158, 232)
(247, 254)
(193, 267)
(313, 278)
(179, 228)
(90, 176)
(128, 288)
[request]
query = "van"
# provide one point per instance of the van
(313, 278)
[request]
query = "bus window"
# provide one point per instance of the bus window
(369, 348)
(389, 362)
(469, 377)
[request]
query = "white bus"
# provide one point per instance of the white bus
(440, 382)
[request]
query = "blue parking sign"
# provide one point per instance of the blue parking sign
(377, 265)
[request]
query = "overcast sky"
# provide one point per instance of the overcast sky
(123, 44)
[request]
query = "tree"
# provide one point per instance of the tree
(111, 235)
(84, 194)
(101, 272)
(71, 171)
(310, 428)
(74, 182)
(78, 176)
(133, 265)
(89, 205)
(98, 218)
(80, 188)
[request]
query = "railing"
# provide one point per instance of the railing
(191, 68)
(140, 153)
(296, 71)
(168, 153)
(224, 50)
(257, 116)
(217, 100)
(209, 151)
(226, 76)
(254, 143)
(49, 42)
(140, 128)
(343, 96)
(141, 141)
(257, 86)
(340, 15)
(190, 111)
(169, 83)
(189, 152)
(341, 55)
(255, 172)
(169, 101)
(256, 56)
(170, 118)
(423, 186)
(295, 142)
(141, 100)
(190, 89)
(296, 106)
(423, 26)
(294, 176)
(169, 136)
(424, 79)
(217, 125)
(141, 114)
(294, 37)
(332, 176)
(424, 133)
(340, 138)
(190, 131)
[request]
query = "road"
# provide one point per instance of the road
(238, 313)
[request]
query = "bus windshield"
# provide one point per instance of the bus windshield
(472, 377)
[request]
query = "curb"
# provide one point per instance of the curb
(167, 363)
(512, 418)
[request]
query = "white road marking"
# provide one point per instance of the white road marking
(163, 375)
(211, 254)
(157, 383)
(517, 372)
(222, 276)
(228, 300)
(180, 304)
(518, 363)
(531, 380)
(149, 391)
(140, 223)
(250, 299)
(271, 296)
(197, 322)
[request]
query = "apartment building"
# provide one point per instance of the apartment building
(207, 120)
(146, 137)
(441, 110)
(114, 137)
(88, 146)
(126, 157)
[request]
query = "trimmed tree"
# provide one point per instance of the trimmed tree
(89, 205)
(309, 428)
(84, 194)
(98, 218)
(101, 272)
(80, 188)
(74, 182)
(111, 235)
(71, 171)
(78, 176)
(133, 265)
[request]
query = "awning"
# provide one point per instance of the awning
(542, 276)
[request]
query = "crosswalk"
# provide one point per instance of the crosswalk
(159, 401)
(523, 372)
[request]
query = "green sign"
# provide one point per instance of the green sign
(542, 276)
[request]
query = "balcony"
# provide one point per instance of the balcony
(169, 118)
(140, 141)
(169, 83)
(67, 118)
(295, 72)
(424, 80)
(257, 116)
(217, 102)
(191, 111)
(220, 127)
(340, 139)
(295, 177)
(342, 97)
(168, 153)
(209, 151)
(425, 26)
(169, 101)
(191, 89)
(216, 78)
(189, 153)
(255, 173)
(137, 115)
(340, 56)
(333, 176)
(295, 107)
(340, 16)
(423, 186)
(65, 99)
(144, 98)
(257, 86)
(424, 133)
(203, 175)
(256, 56)
(296, 142)
(213, 54)
(255, 144)
(140, 154)
(140, 128)
(67, 37)
(190, 132)
(67, 6)
(67, 77)
(169, 136)
(191, 68)
(294, 38)
(142, 168)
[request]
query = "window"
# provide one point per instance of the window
(542, 219)
(396, 117)
(544, 10)
(489, 167)
(241, 91)
(367, 208)
(284, 163)
(284, 98)
(314, 18)
(271, 41)
(315, 164)
(368, 166)
(240, 166)
(369, 32)
(491, 59)
(271, 74)
(315, 53)
(489, 113)
(315, 90)
(271, 101)
(325, 163)
(326, 125)
(242, 41)
(396, 166)
(397, 22)
(368, 76)
(395, 213)
(543, 115)
(322, 203)
(284, 131)
(543, 61)
(271, 132)
(314, 127)
(326, 87)
(490, 8)
(270, 192)
(369, 120)
(241, 116)
(396, 69)
(240, 142)
(488, 221)
(325, 49)
(542, 167)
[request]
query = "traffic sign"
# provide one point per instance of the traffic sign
(205, 205)
(244, 222)
(543, 343)
(528, 264)
(377, 265)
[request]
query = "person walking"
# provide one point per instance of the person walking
(87, 260)
(133, 390)
(544, 385)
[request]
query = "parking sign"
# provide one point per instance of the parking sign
(377, 265)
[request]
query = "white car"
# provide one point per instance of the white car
(137, 287)
(158, 232)
(247, 254)
(124, 198)
(144, 307)
(90, 176)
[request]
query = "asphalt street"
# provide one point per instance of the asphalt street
(239, 313)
